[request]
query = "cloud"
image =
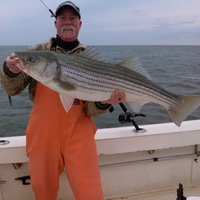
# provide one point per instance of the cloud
(105, 22)
(188, 22)
(138, 13)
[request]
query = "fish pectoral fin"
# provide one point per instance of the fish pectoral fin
(67, 101)
(136, 105)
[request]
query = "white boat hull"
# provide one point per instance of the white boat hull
(147, 165)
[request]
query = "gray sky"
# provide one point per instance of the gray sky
(105, 22)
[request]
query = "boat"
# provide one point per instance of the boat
(152, 164)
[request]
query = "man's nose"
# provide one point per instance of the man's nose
(67, 21)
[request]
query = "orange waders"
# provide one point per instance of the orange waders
(57, 140)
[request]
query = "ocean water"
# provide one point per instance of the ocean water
(176, 68)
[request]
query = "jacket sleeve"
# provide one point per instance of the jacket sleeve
(95, 108)
(13, 84)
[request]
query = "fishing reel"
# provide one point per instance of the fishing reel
(128, 117)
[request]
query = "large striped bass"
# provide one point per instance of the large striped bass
(86, 77)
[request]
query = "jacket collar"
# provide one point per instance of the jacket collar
(50, 46)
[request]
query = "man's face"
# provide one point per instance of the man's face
(68, 24)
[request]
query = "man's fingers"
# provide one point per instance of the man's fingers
(12, 62)
(116, 97)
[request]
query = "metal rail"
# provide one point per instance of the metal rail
(150, 160)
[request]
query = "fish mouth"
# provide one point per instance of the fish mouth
(22, 64)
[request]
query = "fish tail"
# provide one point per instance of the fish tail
(185, 108)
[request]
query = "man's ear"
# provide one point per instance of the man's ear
(55, 23)
(80, 24)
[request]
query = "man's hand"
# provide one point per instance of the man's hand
(11, 62)
(116, 97)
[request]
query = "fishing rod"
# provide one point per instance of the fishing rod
(52, 13)
(10, 100)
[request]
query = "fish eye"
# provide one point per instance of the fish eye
(30, 59)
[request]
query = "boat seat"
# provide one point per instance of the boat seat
(193, 198)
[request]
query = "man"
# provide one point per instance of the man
(57, 139)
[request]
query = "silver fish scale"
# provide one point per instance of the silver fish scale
(99, 76)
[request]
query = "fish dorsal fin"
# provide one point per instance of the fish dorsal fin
(135, 65)
(92, 54)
